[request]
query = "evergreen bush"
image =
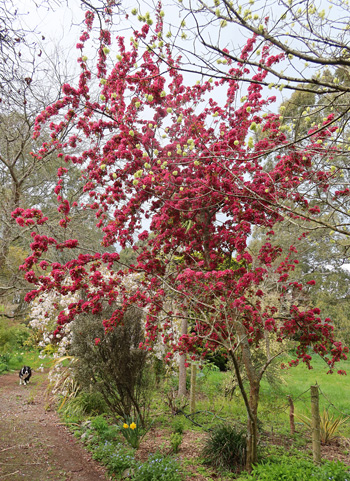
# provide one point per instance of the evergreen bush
(115, 366)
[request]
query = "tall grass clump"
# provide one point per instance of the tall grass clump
(226, 448)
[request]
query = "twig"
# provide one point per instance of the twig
(9, 474)
(15, 446)
(188, 416)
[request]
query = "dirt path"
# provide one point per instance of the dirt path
(33, 445)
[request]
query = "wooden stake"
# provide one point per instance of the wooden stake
(315, 425)
(291, 415)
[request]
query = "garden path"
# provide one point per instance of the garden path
(34, 446)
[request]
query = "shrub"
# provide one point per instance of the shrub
(12, 337)
(115, 367)
(93, 403)
(226, 448)
(284, 468)
(83, 404)
(158, 468)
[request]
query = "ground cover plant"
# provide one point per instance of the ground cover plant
(286, 468)
(105, 441)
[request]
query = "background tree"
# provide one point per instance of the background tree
(31, 77)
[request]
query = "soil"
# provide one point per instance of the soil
(34, 445)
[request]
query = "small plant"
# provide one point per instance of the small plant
(175, 442)
(83, 404)
(133, 431)
(178, 425)
(226, 448)
(176, 404)
(329, 425)
(159, 468)
(116, 458)
(100, 425)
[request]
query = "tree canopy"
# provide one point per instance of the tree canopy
(189, 159)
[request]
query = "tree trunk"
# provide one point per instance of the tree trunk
(252, 427)
(182, 361)
(251, 405)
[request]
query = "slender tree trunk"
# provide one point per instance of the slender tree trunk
(251, 404)
(182, 367)
(252, 438)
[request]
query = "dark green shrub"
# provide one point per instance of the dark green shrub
(83, 404)
(115, 367)
(226, 448)
(93, 403)
(3, 367)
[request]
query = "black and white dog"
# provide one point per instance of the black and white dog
(24, 375)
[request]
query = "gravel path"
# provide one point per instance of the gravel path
(34, 446)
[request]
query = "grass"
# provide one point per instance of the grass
(298, 380)
(14, 360)
(213, 406)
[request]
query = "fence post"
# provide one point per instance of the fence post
(291, 415)
(315, 425)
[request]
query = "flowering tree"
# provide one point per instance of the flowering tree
(169, 153)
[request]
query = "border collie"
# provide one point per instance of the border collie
(24, 375)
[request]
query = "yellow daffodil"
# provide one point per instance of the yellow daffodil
(125, 426)
(132, 426)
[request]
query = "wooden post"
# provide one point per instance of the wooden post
(291, 415)
(193, 388)
(315, 425)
